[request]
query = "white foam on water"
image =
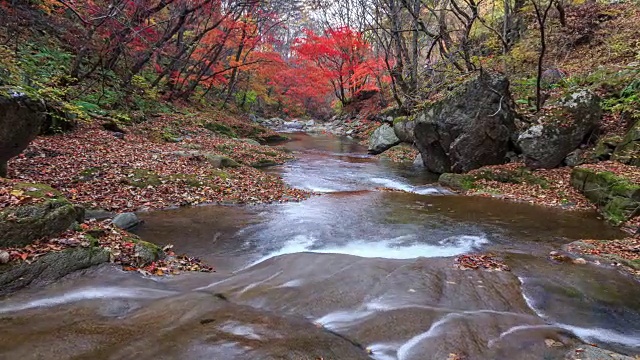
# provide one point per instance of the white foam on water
(529, 301)
(398, 185)
(383, 351)
(292, 283)
(252, 285)
(396, 248)
(212, 284)
(89, 294)
(519, 328)
(320, 189)
(392, 184)
(590, 335)
(405, 350)
(341, 319)
(239, 329)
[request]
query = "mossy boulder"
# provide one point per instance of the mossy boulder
(49, 268)
(605, 147)
(49, 214)
(221, 129)
(147, 252)
(628, 151)
(250, 141)
(458, 182)
(21, 119)
(221, 161)
(560, 129)
(403, 128)
(618, 198)
(471, 127)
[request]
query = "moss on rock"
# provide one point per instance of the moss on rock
(617, 197)
(221, 129)
(50, 215)
(628, 150)
(49, 268)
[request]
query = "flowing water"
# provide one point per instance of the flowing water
(355, 273)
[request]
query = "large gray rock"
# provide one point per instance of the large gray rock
(382, 139)
(560, 130)
(404, 129)
(125, 221)
(21, 119)
(49, 268)
(221, 161)
(24, 224)
(471, 128)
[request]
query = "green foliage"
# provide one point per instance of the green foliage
(620, 89)
(628, 102)
(246, 99)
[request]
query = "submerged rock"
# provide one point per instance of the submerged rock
(125, 221)
(382, 139)
(471, 128)
(21, 119)
(561, 130)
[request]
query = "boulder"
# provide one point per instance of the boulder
(472, 127)
(293, 125)
(605, 148)
(552, 77)
(617, 198)
(628, 151)
(49, 268)
(403, 127)
(148, 252)
(125, 221)
(455, 181)
(575, 158)
(21, 120)
(382, 139)
(560, 129)
(250, 141)
(220, 161)
(47, 214)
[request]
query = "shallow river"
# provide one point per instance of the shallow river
(355, 273)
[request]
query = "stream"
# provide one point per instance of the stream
(358, 272)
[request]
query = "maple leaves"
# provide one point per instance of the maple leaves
(550, 187)
(123, 250)
(98, 170)
(480, 262)
(344, 57)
